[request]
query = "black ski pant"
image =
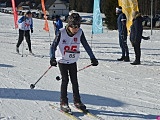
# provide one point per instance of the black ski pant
(137, 51)
(72, 70)
(25, 33)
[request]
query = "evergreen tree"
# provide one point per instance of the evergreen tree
(79, 5)
(88, 6)
(108, 8)
(72, 5)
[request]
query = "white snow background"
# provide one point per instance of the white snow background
(113, 90)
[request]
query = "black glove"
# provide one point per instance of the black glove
(31, 30)
(94, 61)
(146, 38)
(53, 62)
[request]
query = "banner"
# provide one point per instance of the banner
(15, 14)
(128, 6)
(97, 19)
(46, 27)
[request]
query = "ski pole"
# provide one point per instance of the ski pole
(58, 78)
(32, 86)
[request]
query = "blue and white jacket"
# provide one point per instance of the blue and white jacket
(25, 23)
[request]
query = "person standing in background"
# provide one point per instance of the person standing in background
(136, 31)
(57, 24)
(122, 29)
(25, 24)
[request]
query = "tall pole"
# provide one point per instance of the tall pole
(151, 15)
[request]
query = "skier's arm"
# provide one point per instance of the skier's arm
(21, 19)
(123, 20)
(136, 30)
(59, 24)
(86, 46)
(31, 26)
(54, 46)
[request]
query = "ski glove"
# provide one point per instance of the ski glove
(94, 61)
(146, 38)
(31, 30)
(53, 62)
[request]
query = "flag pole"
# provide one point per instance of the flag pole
(91, 39)
(151, 16)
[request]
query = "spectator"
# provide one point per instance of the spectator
(58, 24)
(136, 31)
(122, 29)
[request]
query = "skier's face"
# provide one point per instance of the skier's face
(29, 15)
(118, 11)
(74, 29)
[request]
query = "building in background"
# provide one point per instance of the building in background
(56, 7)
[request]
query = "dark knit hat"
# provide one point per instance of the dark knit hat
(74, 19)
(28, 12)
(57, 16)
(119, 8)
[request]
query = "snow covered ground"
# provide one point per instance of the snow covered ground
(113, 90)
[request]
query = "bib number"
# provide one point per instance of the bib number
(71, 55)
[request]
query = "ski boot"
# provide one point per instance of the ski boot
(17, 50)
(80, 106)
(64, 107)
(121, 59)
(31, 53)
(136, 63)
(126, 59)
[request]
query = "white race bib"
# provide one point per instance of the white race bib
(71, 55)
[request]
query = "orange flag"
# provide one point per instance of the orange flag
(46, 27)
(15, 14)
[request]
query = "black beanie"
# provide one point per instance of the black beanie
(28, 12)
(74, 19)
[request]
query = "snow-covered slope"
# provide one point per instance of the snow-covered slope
(113, 90)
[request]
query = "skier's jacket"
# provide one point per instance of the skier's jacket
(66, 48)
(25, 23)
(136, 29)
(58, 25)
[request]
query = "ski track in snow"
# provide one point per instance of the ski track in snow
(113, 90)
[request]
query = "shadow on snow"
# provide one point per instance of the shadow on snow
(53, 96)
(5, 65)
(45, 95)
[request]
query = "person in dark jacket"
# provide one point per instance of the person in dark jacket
(57, 24)
(136, 31)
(65, 51)
(122, 29)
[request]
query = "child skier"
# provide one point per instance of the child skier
(65, 51)
(58, 24)
(25, 26)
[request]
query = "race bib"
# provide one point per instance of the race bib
(71, 55)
